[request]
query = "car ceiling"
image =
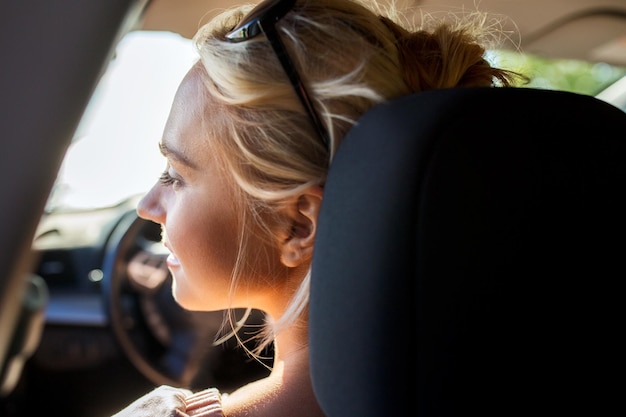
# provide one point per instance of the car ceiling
(593, 30)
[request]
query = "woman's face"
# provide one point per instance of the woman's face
(195, 206)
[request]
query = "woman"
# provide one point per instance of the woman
(251, 134)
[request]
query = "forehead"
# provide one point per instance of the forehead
(185, 130)
(190, 98)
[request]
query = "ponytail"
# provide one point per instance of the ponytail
(445, 58)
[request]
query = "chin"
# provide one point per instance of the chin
(186, 300)
(180, 296)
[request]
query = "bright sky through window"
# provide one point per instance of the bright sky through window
(115, 154)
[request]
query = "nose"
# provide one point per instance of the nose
(150, 206)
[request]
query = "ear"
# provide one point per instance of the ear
(302, 213)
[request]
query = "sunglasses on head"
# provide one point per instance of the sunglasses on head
(263, 19)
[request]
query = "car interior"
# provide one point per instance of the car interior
(487, 281)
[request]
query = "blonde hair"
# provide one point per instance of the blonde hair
(351, 58)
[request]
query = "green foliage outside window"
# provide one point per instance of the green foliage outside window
(565, 74)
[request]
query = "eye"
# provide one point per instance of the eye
(168, 180)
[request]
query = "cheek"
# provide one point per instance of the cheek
(206, 244)
(262, 262)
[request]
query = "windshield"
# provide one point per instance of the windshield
(114, 153)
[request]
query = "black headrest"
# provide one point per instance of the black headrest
(469, 255)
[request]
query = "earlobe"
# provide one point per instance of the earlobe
(303, 214)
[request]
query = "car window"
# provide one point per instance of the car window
(589, 78)
(114, 152)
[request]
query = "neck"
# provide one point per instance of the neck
(288, 386)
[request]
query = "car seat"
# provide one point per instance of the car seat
(469, 257)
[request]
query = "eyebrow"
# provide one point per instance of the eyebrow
(176, 155)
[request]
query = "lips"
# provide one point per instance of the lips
(172, 261)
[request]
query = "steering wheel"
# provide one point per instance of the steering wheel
(166, 343)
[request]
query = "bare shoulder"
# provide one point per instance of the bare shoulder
(282, 394)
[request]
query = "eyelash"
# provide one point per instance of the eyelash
(167, 180)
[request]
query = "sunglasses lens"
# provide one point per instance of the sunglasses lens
(260, 10)
(264, 12)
